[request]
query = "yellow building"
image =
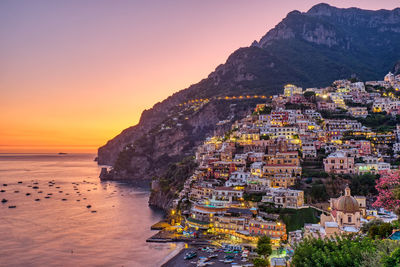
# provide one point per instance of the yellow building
(290, 90)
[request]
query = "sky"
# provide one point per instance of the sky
(73, 74)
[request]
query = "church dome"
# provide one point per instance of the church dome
(347, 203)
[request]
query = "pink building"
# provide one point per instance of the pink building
(338, 162)
(326, 105)
(363, 146)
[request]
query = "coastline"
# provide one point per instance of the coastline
(179, 248)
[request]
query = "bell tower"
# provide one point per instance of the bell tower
(347, 191)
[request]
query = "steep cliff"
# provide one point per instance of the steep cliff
(166, 188)
(308, 49)
(174, 138)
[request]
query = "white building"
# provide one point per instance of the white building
(361, 112)
(285, 198)
(237, 179)
(389, 77)
(256, 168)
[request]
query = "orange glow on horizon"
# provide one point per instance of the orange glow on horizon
(73, 75)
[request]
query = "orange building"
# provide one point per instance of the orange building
(275, 230)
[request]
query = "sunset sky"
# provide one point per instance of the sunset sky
(73, 74)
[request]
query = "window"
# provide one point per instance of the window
(349, 219)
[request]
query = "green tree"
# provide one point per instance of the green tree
(340, 251)
(264, 247)
(385, 230)
(318, 193)
(392, 260)
(366, 227)
(383, 248)
(309, 94)
(364, 184)
(373, 231)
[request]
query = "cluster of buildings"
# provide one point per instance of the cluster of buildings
(260, 159)
(387, 101)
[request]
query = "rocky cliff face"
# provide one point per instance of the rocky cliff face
(308, 49)
(108, 153)
(331, 26)
(173, 139)
(165, 189)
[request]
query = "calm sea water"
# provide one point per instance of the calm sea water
(56, 232)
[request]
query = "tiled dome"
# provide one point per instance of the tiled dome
(347, 204)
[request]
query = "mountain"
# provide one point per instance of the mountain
(308, 49)
(396, 68)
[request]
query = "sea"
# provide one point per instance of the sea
(65, 216)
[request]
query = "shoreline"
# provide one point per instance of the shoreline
(179, 248)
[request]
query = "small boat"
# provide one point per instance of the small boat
(202, 264)
(190, 255)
